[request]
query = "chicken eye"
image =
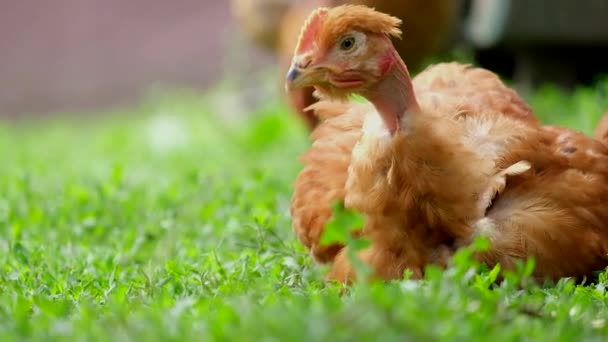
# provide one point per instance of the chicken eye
(347, 43)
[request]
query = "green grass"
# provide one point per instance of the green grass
(170, 221)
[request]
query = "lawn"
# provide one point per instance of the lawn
(169, 220)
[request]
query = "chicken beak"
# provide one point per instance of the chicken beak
(301, 77)
(292, 75)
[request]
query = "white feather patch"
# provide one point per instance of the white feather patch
(485, 227)
(516, 169)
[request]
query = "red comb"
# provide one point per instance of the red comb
(310, 29)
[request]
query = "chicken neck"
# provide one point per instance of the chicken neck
(393, 96)
(432, 165)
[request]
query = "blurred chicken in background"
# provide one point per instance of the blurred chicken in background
(275, 25)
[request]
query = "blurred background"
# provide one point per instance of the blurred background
(88, 55)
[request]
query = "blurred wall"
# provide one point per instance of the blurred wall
(74, 55)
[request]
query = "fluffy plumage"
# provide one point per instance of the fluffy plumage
(437, 161)
(601, 130)
(344, 19)
(323, 179)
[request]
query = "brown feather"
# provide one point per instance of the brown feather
(322, 180)
(558, 212)
(601, 130)
(324, 177)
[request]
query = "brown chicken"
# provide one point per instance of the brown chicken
(433, 163)
(275, 24)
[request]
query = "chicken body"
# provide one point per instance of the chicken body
(423, 197)
(438, 161)
(448, 87)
